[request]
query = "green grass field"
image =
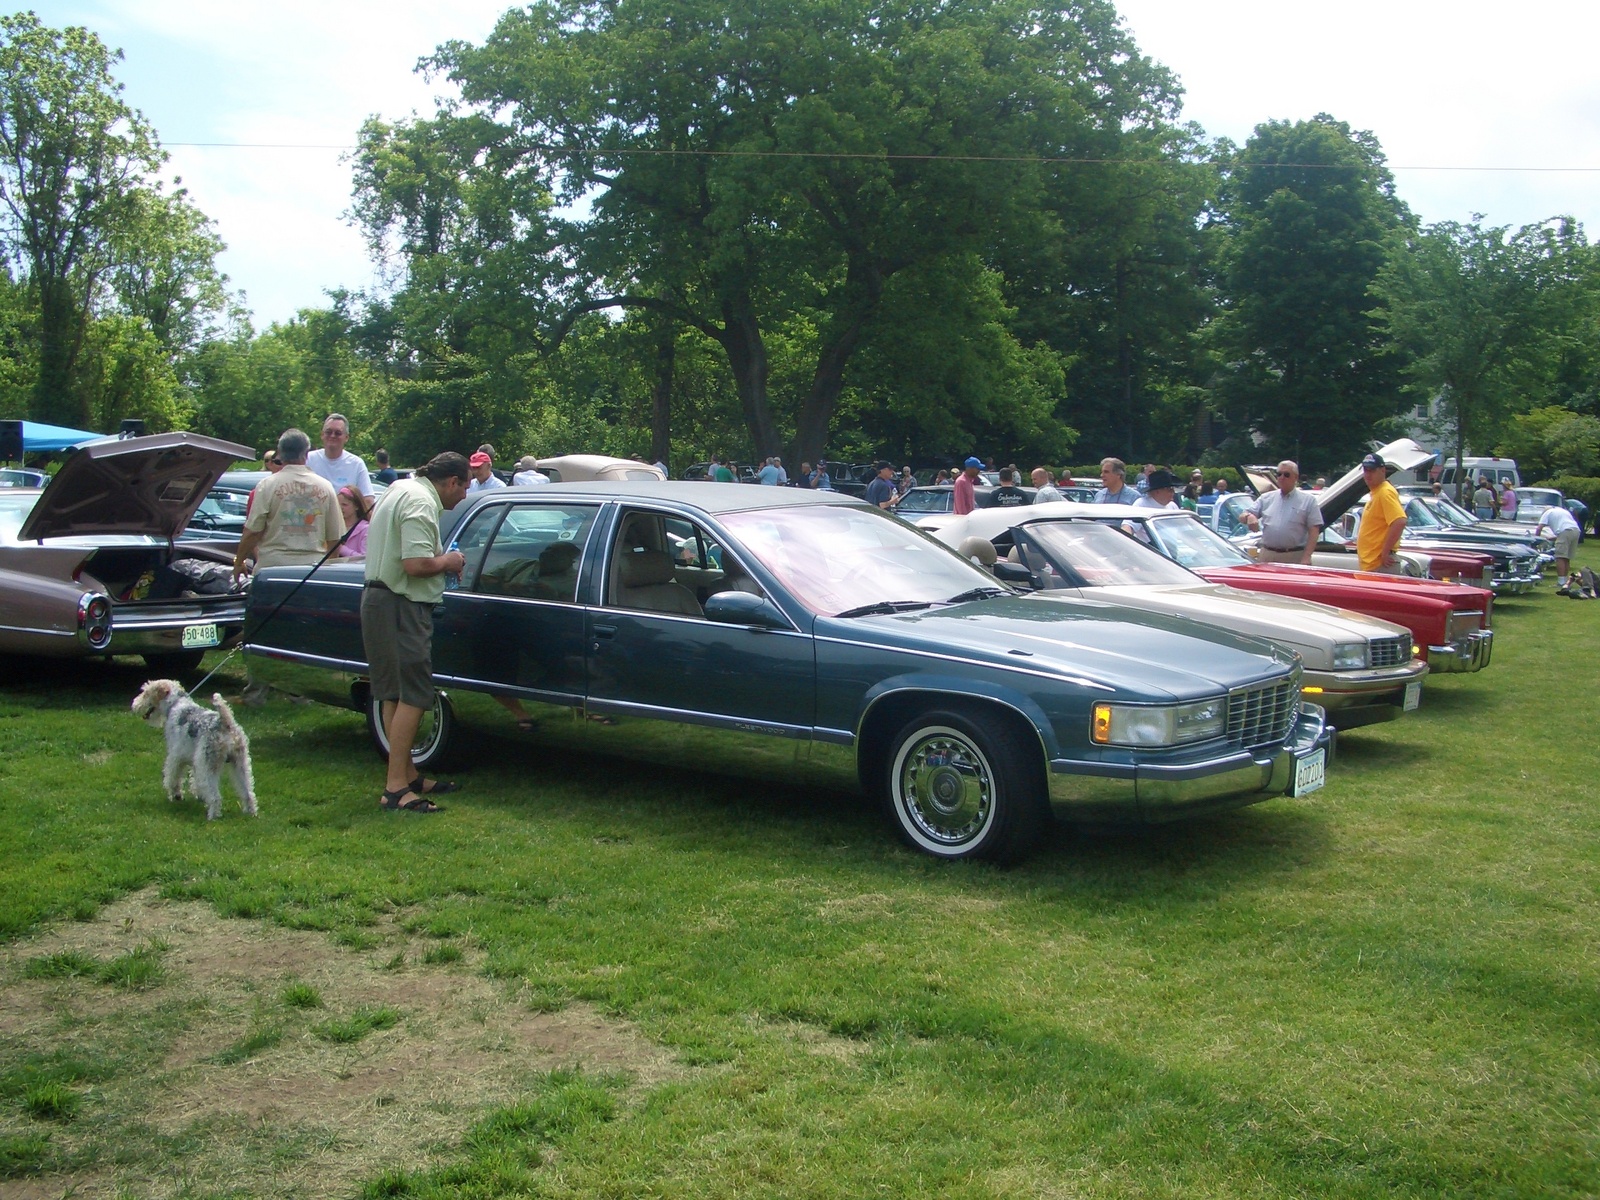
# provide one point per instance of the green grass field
(1388, 988)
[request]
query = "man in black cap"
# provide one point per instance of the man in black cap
(1290, 520)
(1382, 521)
(881, 491)
(1160, 486)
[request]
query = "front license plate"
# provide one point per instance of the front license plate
(1413, 696)
(1310, 773)
(197, 636)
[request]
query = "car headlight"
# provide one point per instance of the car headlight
(1166, 725)
(1349, 656)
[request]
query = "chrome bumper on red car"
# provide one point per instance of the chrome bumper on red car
(1471, 653)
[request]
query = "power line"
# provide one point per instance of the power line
(1038, 160)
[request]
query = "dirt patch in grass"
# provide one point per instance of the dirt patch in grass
(223, 1085)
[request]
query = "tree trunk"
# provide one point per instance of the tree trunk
(661, 396)
(740, 337)
(55, 400)
(816, 414)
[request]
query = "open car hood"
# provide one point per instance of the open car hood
(142, 485)
(1338, 496)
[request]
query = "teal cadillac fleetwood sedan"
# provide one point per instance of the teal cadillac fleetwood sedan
(807, 637)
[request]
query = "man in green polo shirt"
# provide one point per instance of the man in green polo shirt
(405, 573)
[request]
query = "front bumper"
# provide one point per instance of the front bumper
(1514, 585)
(1471, 653)
(1364, 697)
(1097, 793)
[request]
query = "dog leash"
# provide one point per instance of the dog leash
(332, 550)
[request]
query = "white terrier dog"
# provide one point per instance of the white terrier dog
(201, 741)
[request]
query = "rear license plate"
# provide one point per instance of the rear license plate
(1413, 696)
(198, 636)
(1310, 773)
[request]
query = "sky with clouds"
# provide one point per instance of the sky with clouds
(1479, 108)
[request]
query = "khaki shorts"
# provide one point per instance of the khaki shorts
(1566, 544)
(398, 636)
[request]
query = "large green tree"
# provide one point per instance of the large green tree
(1305, 220)
(115, 272)
(766, 173)
(1479, 315)
(72, 155)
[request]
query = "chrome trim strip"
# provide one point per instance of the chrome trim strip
(682, 716)
(972, 662)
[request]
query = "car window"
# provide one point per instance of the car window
(1190, 544)
(533, 551)
(1229, 521)
(1419, 516)
(1096, 555)
(834, 559)
(932, 501)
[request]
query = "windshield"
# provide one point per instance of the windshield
(1184, 540)
(1086, 554)
(1531, 503)
(835, 558)
(1420, 516)
(920, 500)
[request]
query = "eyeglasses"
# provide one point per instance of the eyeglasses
(328, 433)
(1285, 474)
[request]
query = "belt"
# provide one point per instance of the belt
(379, 584)
(1274, 549)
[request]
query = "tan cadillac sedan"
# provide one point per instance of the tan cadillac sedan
(1362, 670)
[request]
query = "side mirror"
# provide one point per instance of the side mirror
(1010, 572)
(743, 608)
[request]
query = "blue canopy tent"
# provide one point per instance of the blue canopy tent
(43, 439)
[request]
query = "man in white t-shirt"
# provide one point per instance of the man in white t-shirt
(1161, 490)
(1564, 528)
(528, 473)
(334, 463)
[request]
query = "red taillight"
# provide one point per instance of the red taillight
(94, 619)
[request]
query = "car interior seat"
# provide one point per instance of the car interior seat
(644, 580)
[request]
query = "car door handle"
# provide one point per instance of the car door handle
(603, 633)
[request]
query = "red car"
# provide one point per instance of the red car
(1448, 621)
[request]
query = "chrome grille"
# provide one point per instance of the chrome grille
(1263, 716)
(1390, 651)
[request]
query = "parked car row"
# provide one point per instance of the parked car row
(1106, 666)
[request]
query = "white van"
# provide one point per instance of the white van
(1498, 470)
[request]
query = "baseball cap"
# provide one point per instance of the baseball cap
(974, 462)
(1371, 462)
(480, 459)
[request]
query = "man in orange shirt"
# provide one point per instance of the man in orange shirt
(1383, 521)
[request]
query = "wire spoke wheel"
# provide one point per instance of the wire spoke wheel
(961, 786)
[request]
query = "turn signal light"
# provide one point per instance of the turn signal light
(1101, 726)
